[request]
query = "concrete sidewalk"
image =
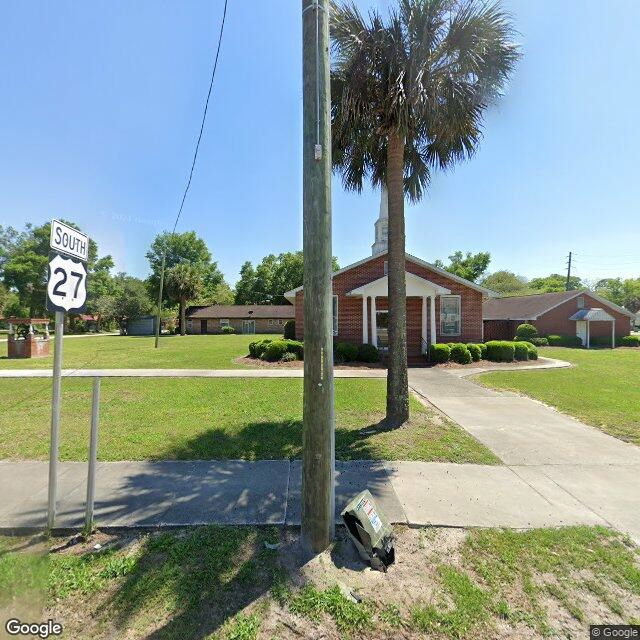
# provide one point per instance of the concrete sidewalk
(563, 460)
(174, 493)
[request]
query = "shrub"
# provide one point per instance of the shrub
(629, 341)
(539, 341)
(460, 353)
(296, 347)
(521, 350)
(524, 332)
(533, 352)
(227, 330)
(274, 351)
(257, 347)
(500, 351)
(475, 352)
(439, 353)
(288, 357)
(600, 341)
(368, 353)
(483, 350)
(564, 341)
(290, 330)
(346, 352)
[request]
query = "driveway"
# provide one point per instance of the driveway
(559, 457)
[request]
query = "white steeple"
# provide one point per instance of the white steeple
(381, 245)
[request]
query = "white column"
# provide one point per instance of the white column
(432, 307)
(613, 333)
(374, 323)
(588, 334)
(424, 324)
(365, 321)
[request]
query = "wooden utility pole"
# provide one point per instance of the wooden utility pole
(318, 453)
(568, 284)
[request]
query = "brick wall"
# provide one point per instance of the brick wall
(262, 325)
(350, 308)
(557, 320)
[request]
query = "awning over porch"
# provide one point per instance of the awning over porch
(584, 316)
(416, 287)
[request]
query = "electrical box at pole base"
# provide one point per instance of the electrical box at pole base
(370, 531)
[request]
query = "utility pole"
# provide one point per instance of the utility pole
(568, 285)
(318, 450)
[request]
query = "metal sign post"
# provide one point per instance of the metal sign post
(66, 291)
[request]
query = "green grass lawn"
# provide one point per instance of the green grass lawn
(602, 389)
(223, 582)
(221, 418)
(132, 352)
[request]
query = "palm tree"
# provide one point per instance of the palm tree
(408, 96)
(184, 283)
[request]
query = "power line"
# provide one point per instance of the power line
(193, 165)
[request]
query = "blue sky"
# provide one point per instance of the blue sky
(101, 104)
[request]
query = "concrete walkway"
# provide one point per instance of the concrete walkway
(567, 463)
(174, 493)
(557, 471)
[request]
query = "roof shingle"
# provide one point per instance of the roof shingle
(244, 311)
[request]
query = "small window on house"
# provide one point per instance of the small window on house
(580, 302)
(280, 321)
(189, 324)
(386, 267)
(271, 321)
(450, 315)
(224, 322)
(335, 315)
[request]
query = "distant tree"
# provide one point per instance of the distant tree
(408, 95)
(182, 248)
(268, 282)
(24, 257)
(507, 283)
(129, 300)
(220, 294)
(185, 282)
(470, 266)
(554, 283)
(4, 296)
(624, 293)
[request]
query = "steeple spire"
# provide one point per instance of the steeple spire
(381, 244)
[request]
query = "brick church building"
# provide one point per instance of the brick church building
(441, 307)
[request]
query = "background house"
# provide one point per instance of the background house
(253, 318)
(570, 313)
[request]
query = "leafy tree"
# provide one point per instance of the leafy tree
(624, 293)
(4, 296)
(24, 257)
(408, 96)
(507, 283)
(184, 283)
(220, 294)
(554, 283)
(271, 279)
(129, 300)
(471, 266)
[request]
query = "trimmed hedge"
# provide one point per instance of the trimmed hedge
(521, 350)
(564, 341)
(539, 341)
(629, 341)
(475, 352)
(345, 352)
(368, 353)
(483, 350)
(274, 351)
(439, 353)
(288, 357)
(500, 351)
(533, 352)
(524, 332)
(460, 353)
(227, 330)
(290, 330)
(295, 346)
(256, 348)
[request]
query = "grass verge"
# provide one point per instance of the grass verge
(601, 389)
(221, 418)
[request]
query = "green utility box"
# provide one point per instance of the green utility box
(370, 531)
